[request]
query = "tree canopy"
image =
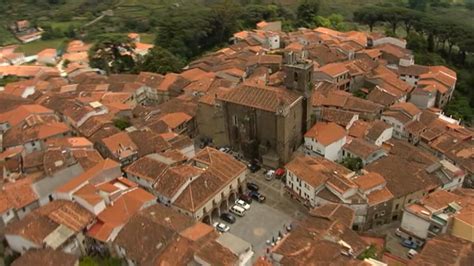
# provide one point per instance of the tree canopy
(113, 55)
(161, 61)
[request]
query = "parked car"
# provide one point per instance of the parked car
(246, 198)
(221, 227)
(228, 217)
(225, 149)
(409, 244)
(411, 253)
(257, 196)
(279, 173)
(253, 167)
(242, 204)
(398, 232)
(237, 210)
(269, 175)
(252, 186)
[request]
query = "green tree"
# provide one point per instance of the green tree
(460, 108)
(469, 4)
(96, 261)
(369, 253)
(122, 123)
(306, 12)
(190, 30)
(354, 164)
(113, 55)
(418, 4)
(369, 15)
(161, 61)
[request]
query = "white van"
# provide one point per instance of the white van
(237, 210)
(411, 253)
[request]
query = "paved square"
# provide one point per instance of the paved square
(260, 224)
(264, 220)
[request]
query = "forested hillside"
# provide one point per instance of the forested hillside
(439, 31)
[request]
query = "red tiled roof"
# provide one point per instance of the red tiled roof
(326, 133)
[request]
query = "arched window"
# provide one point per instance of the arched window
(295, 76)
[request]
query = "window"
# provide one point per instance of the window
(295, 76)
(234, 120)
(396, 206)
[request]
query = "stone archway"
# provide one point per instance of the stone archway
(224, 206)
(207, 219)
(232, 197)
(215, 213)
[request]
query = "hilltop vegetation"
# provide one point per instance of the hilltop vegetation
(439, 31)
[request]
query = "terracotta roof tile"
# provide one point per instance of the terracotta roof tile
(266, 98)
(326, 133)
(147, 168)
(174, 120)
(379, 196)
(45, 257)
(314, 171)
(369, 181)
(361, 148)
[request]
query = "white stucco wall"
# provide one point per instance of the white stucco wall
(423, 101)
(19, 244)
(385, 136)
(415, 225)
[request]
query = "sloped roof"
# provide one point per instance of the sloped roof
(266, 98)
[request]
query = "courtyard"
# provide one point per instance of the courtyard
(265, 221)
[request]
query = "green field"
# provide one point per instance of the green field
(33, 48)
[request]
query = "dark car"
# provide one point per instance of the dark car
(227, 217)
(409, 244)
(253, 167)
(246, 198)
(252, 186)
(257, 196)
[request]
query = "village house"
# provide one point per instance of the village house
(17, 200)
(440, 212)
(122, 199)
(101, 172)
(325, 139)
(325, 96)
(445, 250)
(25, 32)
(46, 256)
(362, 149)
(317, 182)
(160, 235)
(404, 118)
(119, 147)
(336, 73)
(343, 118)
(35, 134)
(59, 225)
(197, 188)
(306, 176)
(20, 114)
(411, 174)
(48, 56)
(340, 246)
(434, 84)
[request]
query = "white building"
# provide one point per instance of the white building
(325, 139)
